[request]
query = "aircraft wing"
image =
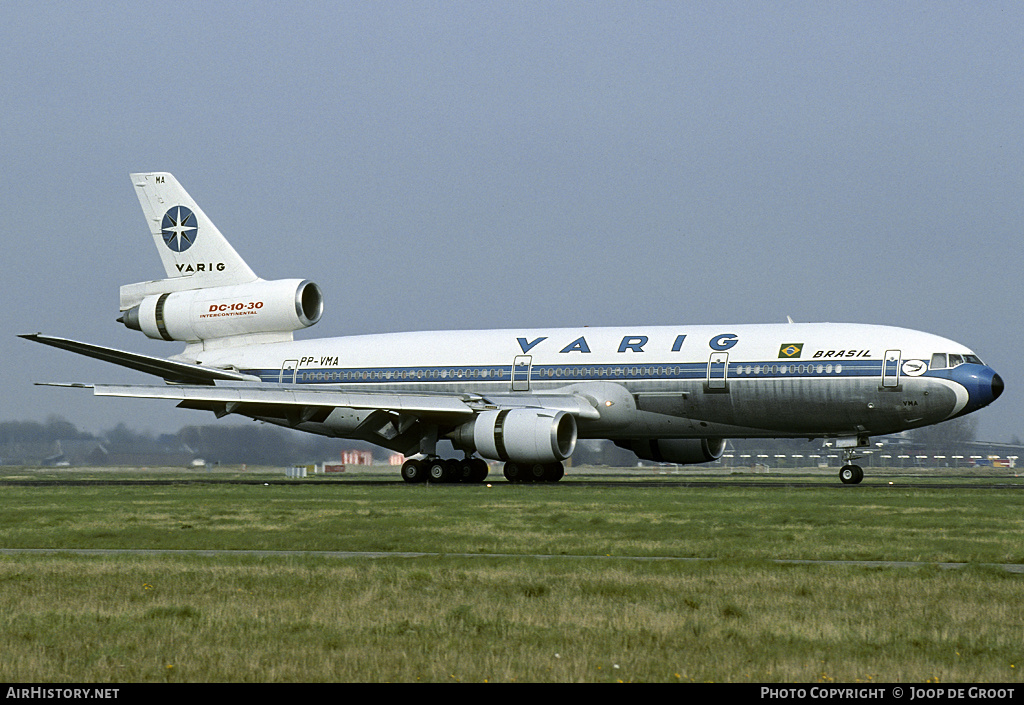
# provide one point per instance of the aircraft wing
(399, 420)
(228, 391)
(232, 396)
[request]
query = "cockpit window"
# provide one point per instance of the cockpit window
(942, 360)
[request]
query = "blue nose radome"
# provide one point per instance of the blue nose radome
(983, 385)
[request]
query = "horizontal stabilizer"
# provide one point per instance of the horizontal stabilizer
(170, 370)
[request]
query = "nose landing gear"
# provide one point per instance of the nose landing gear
(851, 474)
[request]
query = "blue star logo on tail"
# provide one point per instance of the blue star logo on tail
(179, 228)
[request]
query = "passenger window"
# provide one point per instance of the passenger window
(938, 361)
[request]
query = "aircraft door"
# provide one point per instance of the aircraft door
(718, 366)
(521, 373)
(891, 368)
(288, 368)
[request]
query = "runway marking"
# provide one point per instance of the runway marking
(1008, 567)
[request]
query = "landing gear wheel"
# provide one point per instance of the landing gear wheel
(477, 470)
(851, 474)
(514, 472)
(463, 470)
(554, 472)
(454, 470)
(537, 472)
(412, 471)
(470, 470)
(534, 472)
(546, 472)
(438, 470)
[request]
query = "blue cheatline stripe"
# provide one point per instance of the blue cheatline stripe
(775, 369)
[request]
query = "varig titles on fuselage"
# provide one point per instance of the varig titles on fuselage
(630, 343)
(717, 343)
(640, 343)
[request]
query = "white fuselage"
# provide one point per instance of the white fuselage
(818, 379)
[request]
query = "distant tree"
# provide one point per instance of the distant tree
(60, 428)
(260, 444)
(123, 439)
(946, 435)
(56, 428)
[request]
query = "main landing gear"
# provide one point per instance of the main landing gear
(437, 469)
(534, 472)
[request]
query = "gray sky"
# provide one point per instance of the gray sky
(440, 165)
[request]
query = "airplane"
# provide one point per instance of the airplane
(669, 393)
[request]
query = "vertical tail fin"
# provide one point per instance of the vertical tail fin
(190, 245)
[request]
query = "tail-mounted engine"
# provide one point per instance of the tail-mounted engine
(520, 435)
(281, 306)
(681, 451)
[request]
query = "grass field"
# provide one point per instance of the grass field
(589, 612)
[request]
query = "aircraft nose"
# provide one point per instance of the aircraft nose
(983, 385)
(997, 386)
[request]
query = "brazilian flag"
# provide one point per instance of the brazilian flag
(791, 350)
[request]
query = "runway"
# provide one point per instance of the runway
(347, 555)
(869, 483)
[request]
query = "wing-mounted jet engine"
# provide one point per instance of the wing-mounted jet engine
(681, 451)
(531, 442)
